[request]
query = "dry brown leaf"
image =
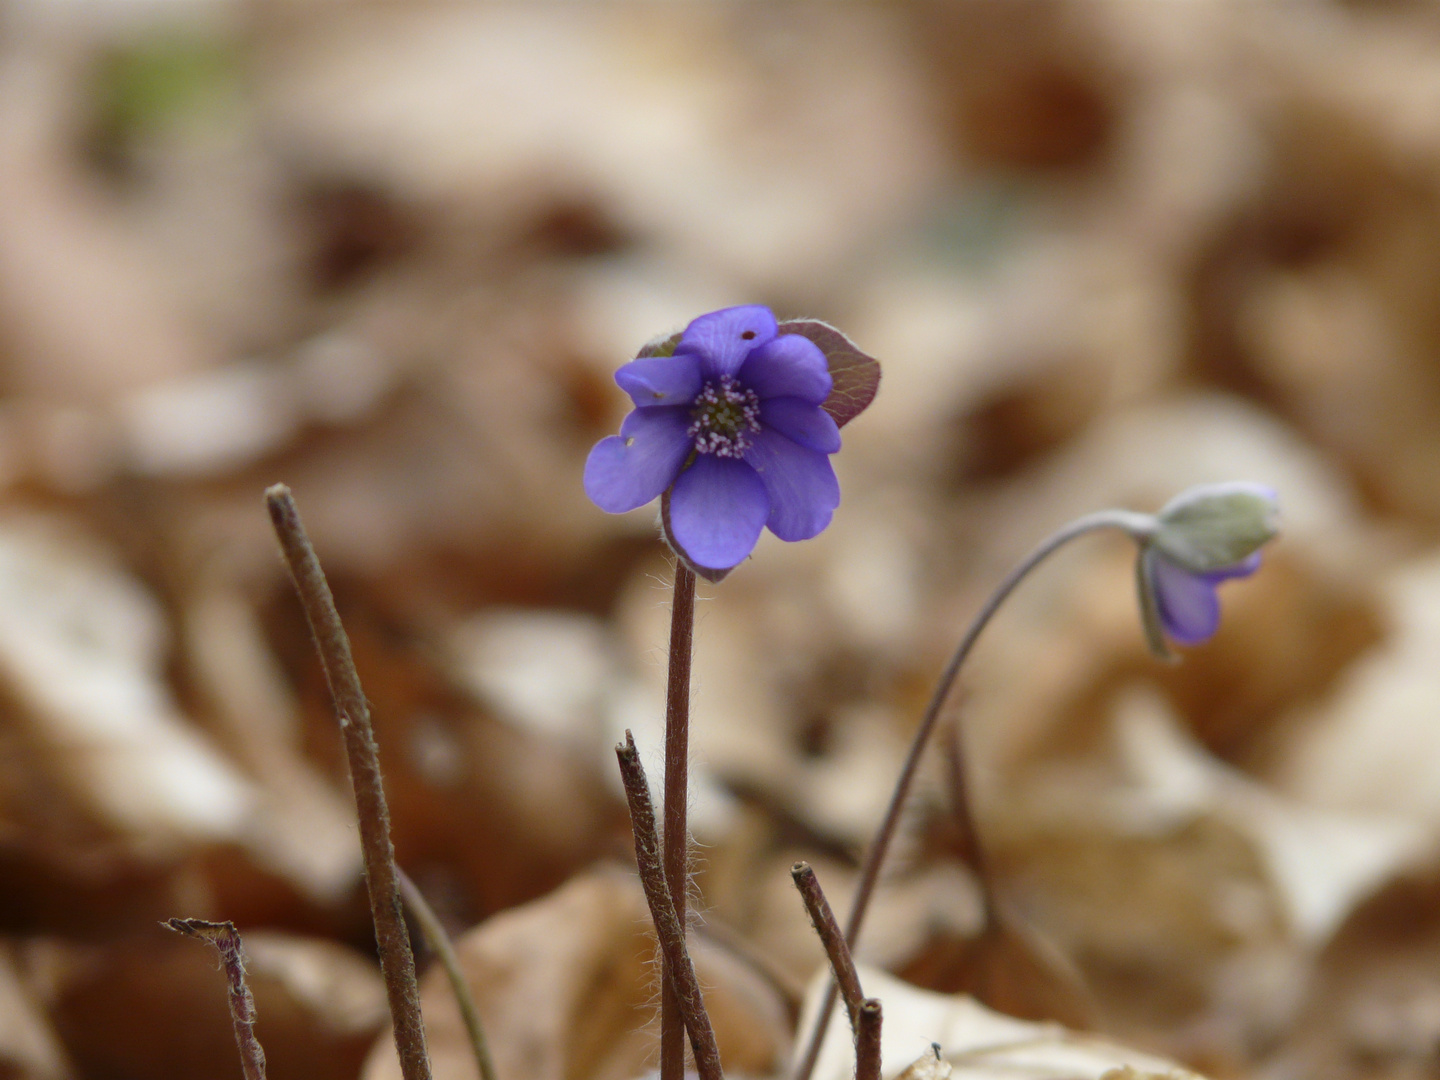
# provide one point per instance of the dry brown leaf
(1374, 999)
(82, 648)
(29, 1049)
(1370, 746)
(735, 195)
(1183, 888)
(1007, 967)
(977, 1043)
(566, 989)
(157, 1007)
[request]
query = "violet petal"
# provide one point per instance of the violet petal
(800, 482)
(789, 366)
(629, 469)
(1189, 608)
(717, 509)
(723, 339)
(1239, 570)
(661, 380)
(807, 424)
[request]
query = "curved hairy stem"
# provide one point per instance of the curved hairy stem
(1136, 525)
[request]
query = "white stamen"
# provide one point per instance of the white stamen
(724, 415)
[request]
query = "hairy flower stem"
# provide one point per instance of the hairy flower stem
(226, 940)
(1138, 526)
(392, 940)
(677, 793)
(444, 950)
(669, 930)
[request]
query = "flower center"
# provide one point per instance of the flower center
(724, 414)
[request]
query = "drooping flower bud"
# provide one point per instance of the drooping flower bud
(1214, 527)
(1204, 536)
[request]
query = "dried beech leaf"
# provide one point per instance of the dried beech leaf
(928, 1066)
(82, 655)
(157, 1008)
(29, 1049)
(1009, 968)
(977, 1043)
(566, 989)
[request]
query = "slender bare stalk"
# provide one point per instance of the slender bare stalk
(1133, 524)
(226, 940)
(444, 950)
(867, 1040)
(397, 963)
(823, 919)
(676, 805)
(668, 928)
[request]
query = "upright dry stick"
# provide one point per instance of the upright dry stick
(397, 964)
(867, 1040)
(823, 919)
(226, 940)
(668, 929)
(676, 805)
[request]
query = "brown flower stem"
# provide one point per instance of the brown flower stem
(226, 940)
(397, 963)
(823, 919)
(668, 928)
(677, 794)
(444, 950)
(867, 1040)
(1133, 524)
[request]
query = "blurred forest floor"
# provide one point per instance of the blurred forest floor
(392, 254)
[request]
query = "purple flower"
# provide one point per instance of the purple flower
(733, 425)
(1187, 603)
(1207, 535)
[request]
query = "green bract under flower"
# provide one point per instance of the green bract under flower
(1216, 526)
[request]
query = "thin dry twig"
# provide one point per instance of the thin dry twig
(226, 940)
(668, 930)
(823, 919)
(397, 963)
(444, 950)
(677, 800)
(867, 1040)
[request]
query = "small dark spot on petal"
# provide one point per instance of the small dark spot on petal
(748, 335)
(657, 394)
(630, 441)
